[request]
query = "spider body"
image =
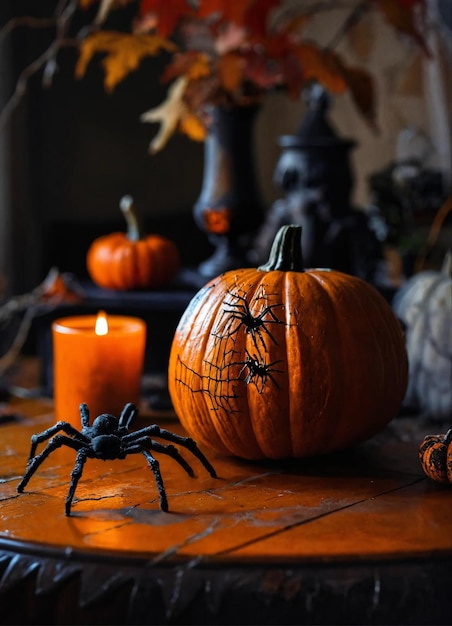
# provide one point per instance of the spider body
(109, 439)
(254, 325)
(106, 437)
(258, 372)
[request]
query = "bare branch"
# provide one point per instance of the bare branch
(353, 18)
(47, 61)
(21, 86)
(28, 21)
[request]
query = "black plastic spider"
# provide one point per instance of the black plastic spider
(258, 371)
(109, 438)
(255, 325)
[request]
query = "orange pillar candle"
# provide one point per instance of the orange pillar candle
(99, 361)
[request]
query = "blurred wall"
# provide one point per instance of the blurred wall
(84, 148)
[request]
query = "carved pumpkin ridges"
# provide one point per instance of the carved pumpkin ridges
(315, 331)
(368, 388)
(300, 363)
(192, 351)
(244, 433)
(274, 426)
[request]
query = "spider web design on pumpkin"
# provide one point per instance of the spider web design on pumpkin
(219, 375)
(214, 385)
(237, 315)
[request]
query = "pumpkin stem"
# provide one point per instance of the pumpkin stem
(448, 436)
(286, 253)
(134, 230)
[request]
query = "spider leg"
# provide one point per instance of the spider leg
(35, 462)
(84, 415)
(186, 442)
(46, 434)
(127, 415)
(155, 467)
(76, 474)
(149, 444)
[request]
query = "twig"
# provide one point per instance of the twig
(25, 20)
(353, 18)
(21, 336)
(47, 60)
(28, 72)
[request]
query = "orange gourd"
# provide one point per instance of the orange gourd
(435, 456)
(279, 362)
(131, 260)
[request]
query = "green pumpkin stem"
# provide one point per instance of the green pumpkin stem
(134, 229)
(286, 253)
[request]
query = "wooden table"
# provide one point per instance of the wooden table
(359, 537)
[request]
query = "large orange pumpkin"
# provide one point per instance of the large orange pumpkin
(132, 260)
(280, 362)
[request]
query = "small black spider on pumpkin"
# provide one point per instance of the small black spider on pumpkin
(108, 439)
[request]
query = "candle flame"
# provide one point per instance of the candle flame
(101, 323)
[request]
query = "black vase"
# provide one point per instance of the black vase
(229, 209)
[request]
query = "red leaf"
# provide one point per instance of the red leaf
(321, 65)
(193, 64)
(362, 90)
(259, 71)
(401, 14)
(168, 13)
(226, 10)
(257, 18)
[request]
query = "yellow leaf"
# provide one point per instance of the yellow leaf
(192, 126)
(199, 68)
(124, 53)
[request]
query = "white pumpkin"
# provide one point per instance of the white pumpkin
(424, 305)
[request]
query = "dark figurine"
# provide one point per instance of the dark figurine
(315, 173)
(109, 438)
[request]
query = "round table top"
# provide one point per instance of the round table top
(371, 502)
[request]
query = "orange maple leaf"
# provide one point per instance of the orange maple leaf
(192, 126)
(124, 53)
(191, 64)
(328, 68)
(321, 65)
(230, 71)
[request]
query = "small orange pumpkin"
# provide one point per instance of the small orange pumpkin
(279, 362)
(435, 456)
(130, 260)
